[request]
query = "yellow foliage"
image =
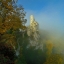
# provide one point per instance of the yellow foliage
(49, 47)
(10, 21)
(54, 59)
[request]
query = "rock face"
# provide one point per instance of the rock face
(33, 32)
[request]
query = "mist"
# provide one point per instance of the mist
(50, 19)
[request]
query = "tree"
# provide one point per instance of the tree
(49, 47)
(7, 54)
(11, 20)
(54, 59)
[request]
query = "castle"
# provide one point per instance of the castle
(33, 31)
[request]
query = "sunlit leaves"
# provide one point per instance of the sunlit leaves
(49, 47)
(54, 59)
(10, 21)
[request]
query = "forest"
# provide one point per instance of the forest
(14, 43)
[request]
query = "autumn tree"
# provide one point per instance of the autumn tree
(54, 59)
(48, 48)
(12, 18)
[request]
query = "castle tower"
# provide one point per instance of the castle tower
(31, 19)
(33, 32)
(33, 24)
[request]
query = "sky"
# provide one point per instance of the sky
(50, 16)
(48, 13)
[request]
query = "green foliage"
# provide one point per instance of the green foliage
(28, 54)
(7, 54)
(33, 56)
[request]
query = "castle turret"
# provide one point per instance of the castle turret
(31, 19)
(33, 24)
(33, 33)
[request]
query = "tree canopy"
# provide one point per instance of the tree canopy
(11, 20)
